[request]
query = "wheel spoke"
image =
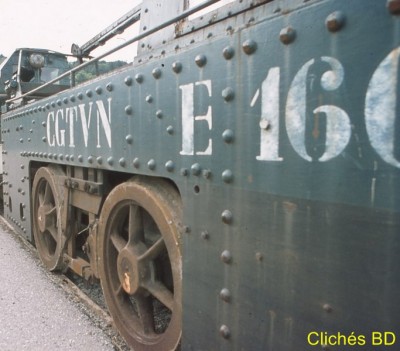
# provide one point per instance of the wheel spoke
(51, 211)
(145, 310)
(118, 241)
(161, 293)
(47, 193)
(154, 251)
(53, 232)
(135, 225)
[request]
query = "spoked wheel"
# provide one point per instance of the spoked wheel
(141, 265)
(46, 207)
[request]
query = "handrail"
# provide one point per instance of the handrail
(183, 15)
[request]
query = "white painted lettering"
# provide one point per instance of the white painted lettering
(269, 123)
(380, 107)
(49, 134)
(188, 118)
(60, 133)
(105, 121)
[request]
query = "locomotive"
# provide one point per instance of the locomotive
(236, 187)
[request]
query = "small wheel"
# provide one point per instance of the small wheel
(46, 207)
(141, 263)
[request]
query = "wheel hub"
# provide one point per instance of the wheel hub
(44, 220)
(132, 272)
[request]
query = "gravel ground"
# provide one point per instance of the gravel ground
(40, 310)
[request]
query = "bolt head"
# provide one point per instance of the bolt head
(177, 67)
(335, 21)
(228, 52)
(200, 60)
(287, 35)
(249, 46)
(393, 6)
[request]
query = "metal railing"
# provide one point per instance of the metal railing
(138, 37)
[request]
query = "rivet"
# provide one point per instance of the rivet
(287, 35)
(226, 257)
(80, 158)
(265, 124)
(90, 159)
(227, 176)
(122, 162)
(196, 169)
(44, 124)
(72, 98)
(139, 78)
(149, 99)
(58, 103)
(159, 114)
(228, 94)
(128, 110)
(156, 73)
(335, 21)
(151, 164)
(225, 295)
(60, 156)
(209, 35)
(205, 235)
(99, 90)
(89, 93)
(44, 139)
(327, 308)
(65, 100)
(110, 161)
(249, 46)
(66, 157)
(136, 163)
(184, 172)
(227, 217)
(200, 60)
(206, 173)
(109, 87)
(170, 130)
(259, 256)
(99, 160)
(128, 81)
(228, 136)
(71, 157)
(177, 67)
(80, 96)
(225, 332)
(47, 106)
(228, 52)
(129, 139)
(170, 166)
(393, 6)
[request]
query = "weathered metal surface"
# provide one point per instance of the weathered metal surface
(141, 267)
(281, 134)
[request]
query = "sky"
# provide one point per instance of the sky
(56, 24)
